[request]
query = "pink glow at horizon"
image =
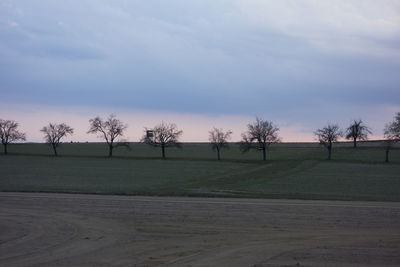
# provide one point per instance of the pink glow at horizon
(195, 127)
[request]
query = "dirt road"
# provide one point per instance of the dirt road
(94, 230)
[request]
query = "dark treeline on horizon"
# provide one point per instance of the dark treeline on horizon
(260, 135)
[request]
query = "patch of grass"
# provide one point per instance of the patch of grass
(104, 175)
(291, 172)
(317, 180)
(196, 151)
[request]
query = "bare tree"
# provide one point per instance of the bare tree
(53, 133)
(392, 134)
(109, 130)
(9, 133)
(219, 139)
(162, 135)
(357, 131)
(328, 135)
(260, 135)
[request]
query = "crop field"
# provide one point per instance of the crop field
(282, 212)
(297, 171)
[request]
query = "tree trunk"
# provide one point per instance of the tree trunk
(219, 158)
(55, 150)
(110, 151)
(163, 151)
(355, 142)
(264, 153)
(329, 151)
(387, 155)
(5, 149)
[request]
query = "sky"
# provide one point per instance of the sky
(200, 64)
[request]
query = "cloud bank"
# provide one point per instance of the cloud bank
(299, 62)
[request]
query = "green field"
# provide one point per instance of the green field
(291, 171)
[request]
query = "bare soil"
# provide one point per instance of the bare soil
(94, 230)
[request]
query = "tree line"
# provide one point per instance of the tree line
(260, 135)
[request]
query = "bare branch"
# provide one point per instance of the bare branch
(260, 135)
(53, 133)
(392, 129)
(9, 133)
(392, 134)
(109, 129)
(357, 131)
(328, 135)
(219, 139)
(164, 135)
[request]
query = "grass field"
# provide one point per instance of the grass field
(292, 171)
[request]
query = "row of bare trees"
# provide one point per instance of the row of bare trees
(259, 135)
(358, 131)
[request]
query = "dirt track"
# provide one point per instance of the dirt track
(93, 230)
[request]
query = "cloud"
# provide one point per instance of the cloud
(352, 26)
(285, 60)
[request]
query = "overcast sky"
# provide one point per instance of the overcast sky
(300, 64)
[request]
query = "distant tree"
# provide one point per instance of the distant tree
(9, 133)
(392, 134)
(357, 131)
(328, 135)
(109, 130)
(219, 139)
(162, 135)
(260, 135)
(53, 133)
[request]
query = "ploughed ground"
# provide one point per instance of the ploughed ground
(39, 229)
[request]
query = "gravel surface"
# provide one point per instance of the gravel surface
(38, 229)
